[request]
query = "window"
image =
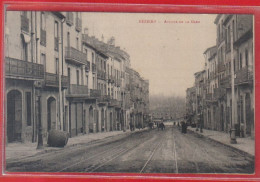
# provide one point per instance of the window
(86, 52)
(233, 30)
(219, 32)
(43, 21)
(68, 39)
(87, 80)
(93, 82)
(43, 29)
(77, 77)
(24, 13)
(28, 108)
(234, 65)
(56, 29)
(93, 61)
(77, 43)
(56, 36)
(222, 27)
(246, 56)
(69, 75)
(240, 61)
(43, 61)
(25, 51)
(57, 65)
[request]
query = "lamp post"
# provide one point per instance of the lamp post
(201, 118)
(233, 130)
(40, 140)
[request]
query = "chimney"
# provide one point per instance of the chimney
(111, 41)
(86, 31)
(102, 38)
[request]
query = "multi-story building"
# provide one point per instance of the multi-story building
(234, 49)
(35, 80)
(190, 104)
(58, 78)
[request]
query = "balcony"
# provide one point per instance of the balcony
(94, 68)
(111, 79)
(212, 75)
(24, 23)
(43, 37)
(69, 18)
(244, 75)
(23, 69)
(118, 83)
(209, 96)
(225, 82)
(101, 74)
(219, 93)
(52, 80)
(56, 43)
(87, 66)
(228, 47)
(105, 98)
(95, 93)
(221, 67)
(75, 89)
(115, 103)
(75, 56)
(78, 25)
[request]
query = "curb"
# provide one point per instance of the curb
(53, 149)
(229, 146)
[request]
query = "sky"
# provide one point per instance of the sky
(167, 51)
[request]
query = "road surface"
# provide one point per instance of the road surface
(150, 151)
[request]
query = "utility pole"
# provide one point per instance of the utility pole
(233, 130)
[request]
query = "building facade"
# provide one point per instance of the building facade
(234, 46)
(57, 77)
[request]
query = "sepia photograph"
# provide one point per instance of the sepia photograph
(106, 92)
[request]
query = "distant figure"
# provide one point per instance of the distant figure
(151, 125)
(161, 126)
(184, 127)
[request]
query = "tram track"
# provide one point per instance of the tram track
(96, 161)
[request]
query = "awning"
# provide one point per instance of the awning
(26, 38)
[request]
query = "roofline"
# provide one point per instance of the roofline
(209, 48)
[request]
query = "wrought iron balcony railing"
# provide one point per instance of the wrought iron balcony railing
(244, 75)
(219, 93)
(87, 66)
(75, 55)
(75, 89)
(221, 67)
(24, 69)
(209, 96)
(101, 74)
(94, 68)
(225, 82)
(52, 80)
(95, 93)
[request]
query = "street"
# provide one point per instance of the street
(149, 151)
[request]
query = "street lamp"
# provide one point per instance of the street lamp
(40, 140)
(233, 130)
(201, 118)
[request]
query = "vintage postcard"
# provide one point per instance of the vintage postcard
(96, 92)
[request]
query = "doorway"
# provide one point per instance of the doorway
(51, 112)
(14, 116)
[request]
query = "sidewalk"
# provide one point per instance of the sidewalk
(16, 151)
(246, 145)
